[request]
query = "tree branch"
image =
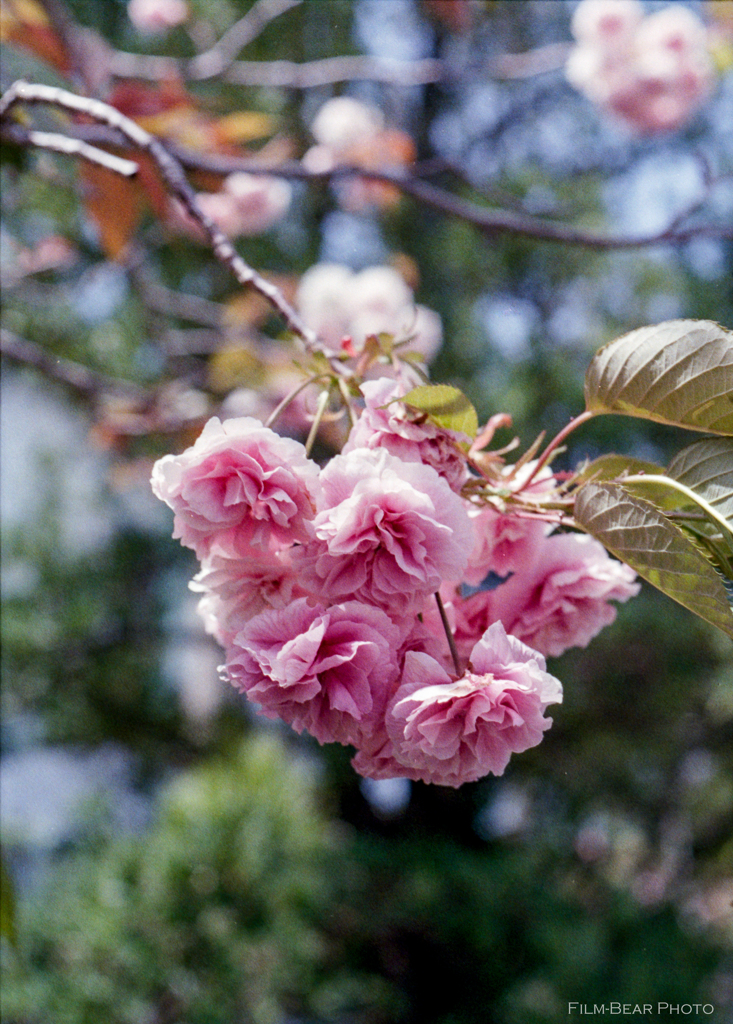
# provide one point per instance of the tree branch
(214, 61)
(175, 179)
(70, 146)
(490, 221)
(283, 73)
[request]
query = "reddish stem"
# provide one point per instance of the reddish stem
(555, 443)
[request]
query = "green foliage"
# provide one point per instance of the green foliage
(445, 406)
(7, 906)
(674, 529)
(245, 900)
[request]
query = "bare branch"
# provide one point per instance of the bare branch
(330, 70)
(284, 73)
(57, 143)
(177, 304)
(539, 61)
(175, 179)
(214, 61)
(489, 220)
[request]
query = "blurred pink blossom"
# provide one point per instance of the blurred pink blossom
(338, 303)
(248, 204)
(240, 484)
(652, 72)
(157, 15)
(343, 122)
(453, 731)
(348, 131)
(328, 670)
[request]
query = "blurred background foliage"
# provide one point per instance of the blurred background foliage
(172, 857)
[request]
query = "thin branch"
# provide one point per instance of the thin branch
(181, 305)
(175, 179)
(58, 143)
(214, 61)
(489, 220)
(330, 70)
(539, 61)
(284, 73)
(288, 74)
(89, 383)
(448, 633)
(555, 444)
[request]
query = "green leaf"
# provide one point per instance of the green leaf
(7, 906)
(638, 533)
(706, 467)
(611, 467)
(446, 406)
(679, 372)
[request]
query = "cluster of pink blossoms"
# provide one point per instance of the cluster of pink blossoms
(651, 72)
(321, 583)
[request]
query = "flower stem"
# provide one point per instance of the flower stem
(291, 395)
(322, 403)
(449, 635)
(555, 443)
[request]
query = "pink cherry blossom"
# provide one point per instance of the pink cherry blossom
(236, 589)
(505, 543)
(157, 15)
(329, 670)
(376, 759)
(562, 600)
(385, 423)
(248, 204)
(388, 532)
(240, 484)
(452, 730)
(506, 539)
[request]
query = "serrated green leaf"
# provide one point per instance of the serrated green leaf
(446, 406)
(679, 372)
(638, 533)
(706, 467)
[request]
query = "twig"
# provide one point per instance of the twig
(539, 61)
(554, 444)
(214, 61)
(172, 173)
(321, 408)
(58, 143)
(330, 70)
(285, 74)
(487, 219)
(448, 633)
(177, 304)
